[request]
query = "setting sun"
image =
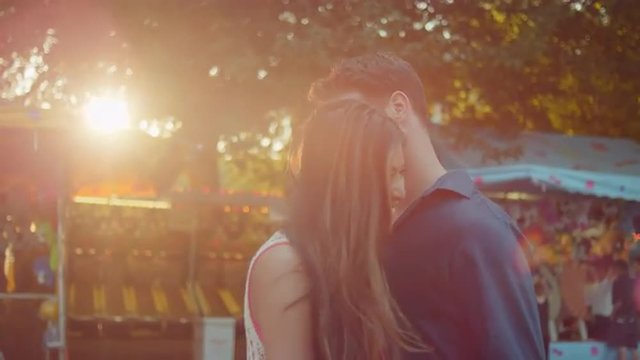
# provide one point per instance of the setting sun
(107, 114)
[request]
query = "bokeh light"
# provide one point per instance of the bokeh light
(163, 127)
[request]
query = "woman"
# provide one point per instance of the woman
(317, 290)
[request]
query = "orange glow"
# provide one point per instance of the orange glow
(130, 188)
(114, 201)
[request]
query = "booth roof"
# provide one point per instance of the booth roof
(586, 165)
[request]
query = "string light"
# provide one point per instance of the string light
(113, 201)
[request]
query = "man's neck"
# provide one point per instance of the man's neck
(422, 163)
(425, 170)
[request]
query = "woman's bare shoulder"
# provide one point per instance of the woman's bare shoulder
(279, 304)
(275, 262)
(278, 275)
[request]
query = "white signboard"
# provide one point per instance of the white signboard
(214, 338)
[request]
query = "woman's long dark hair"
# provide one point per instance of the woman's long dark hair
(340, 212)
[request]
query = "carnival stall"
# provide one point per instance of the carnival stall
(114, 255)
(32, 286)
(163, 266)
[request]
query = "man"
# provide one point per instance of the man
(455, 265)
(623, 328)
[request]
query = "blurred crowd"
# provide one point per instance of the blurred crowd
(585, 254)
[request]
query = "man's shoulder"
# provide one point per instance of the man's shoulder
(454, 222)
(456, 213)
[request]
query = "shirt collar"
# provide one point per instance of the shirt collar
(456, 181)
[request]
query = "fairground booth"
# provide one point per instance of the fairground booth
(106, 238)
(577, 201)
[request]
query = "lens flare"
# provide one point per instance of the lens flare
(107, 114)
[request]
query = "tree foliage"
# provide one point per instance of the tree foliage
(566, 65)
(220, 66)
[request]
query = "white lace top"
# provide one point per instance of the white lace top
(255, 350)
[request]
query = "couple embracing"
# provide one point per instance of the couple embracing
(385, 254)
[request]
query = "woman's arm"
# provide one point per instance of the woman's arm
(280, 306)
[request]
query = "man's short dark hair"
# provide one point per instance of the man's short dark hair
(375, 76)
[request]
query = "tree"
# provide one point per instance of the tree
(220, 66)
(257, 161)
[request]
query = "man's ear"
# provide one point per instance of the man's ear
(399, 108)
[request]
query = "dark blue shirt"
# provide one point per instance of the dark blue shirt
(457, 271)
